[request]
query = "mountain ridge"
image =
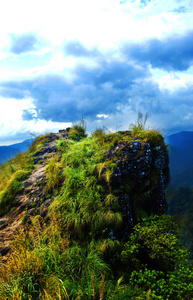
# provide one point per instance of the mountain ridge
(181, 158)
(8, 152)
(80, 213)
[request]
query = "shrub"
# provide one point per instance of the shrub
(140, 123)
(154, 243)
(81, 131)
(74, 134)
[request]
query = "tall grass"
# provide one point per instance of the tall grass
(52, 173)
(82, 201)
(11, 175)
(140, 124)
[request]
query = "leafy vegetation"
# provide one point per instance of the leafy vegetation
(77, 254)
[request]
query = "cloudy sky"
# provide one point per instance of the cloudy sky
(101, 59)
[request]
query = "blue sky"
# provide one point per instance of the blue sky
(101, 59)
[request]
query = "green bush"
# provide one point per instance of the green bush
(74, 134)
(154, 244)
(81, 130)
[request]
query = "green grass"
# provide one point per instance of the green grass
(11, 175)
(87, 176)
(52, 173)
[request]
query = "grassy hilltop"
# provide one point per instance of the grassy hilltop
(91, 220)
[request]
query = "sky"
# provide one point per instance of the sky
(104, 60)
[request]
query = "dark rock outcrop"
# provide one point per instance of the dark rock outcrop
(139, 180)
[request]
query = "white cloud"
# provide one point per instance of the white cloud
(43, 126)
(11, 121)
(172, 81)
(11, 109)
(93, 22)
(102, 116)
(11, 115)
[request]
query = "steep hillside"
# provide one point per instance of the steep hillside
(179, 194)
(179, 161)
(181, 140)
(80, 210)
(180, 154)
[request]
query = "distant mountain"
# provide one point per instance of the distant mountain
(8, 152)
(180, 191)
(180, 140)
(181, 158)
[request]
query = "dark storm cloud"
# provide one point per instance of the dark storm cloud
(16, 90)
(28, 115)
(100, 91)
(95, 91)
(111, 86)
(22, 43)
(175, 53)
(10, 91)
(120, 74)
(75, 48)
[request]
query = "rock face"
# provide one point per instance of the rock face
(139, 180)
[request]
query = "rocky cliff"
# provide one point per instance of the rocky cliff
(122, 175)
(141, 176)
